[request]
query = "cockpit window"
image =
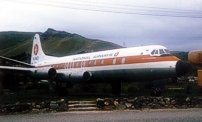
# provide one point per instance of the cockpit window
(167, 51)
(152, 52)
(156, 52)
(159, 52)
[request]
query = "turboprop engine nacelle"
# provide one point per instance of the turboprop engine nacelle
(83, 76)
(75, 76)
(43, 73)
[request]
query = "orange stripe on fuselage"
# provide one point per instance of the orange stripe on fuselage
(109, 61)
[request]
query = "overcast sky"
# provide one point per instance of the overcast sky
(176, 24)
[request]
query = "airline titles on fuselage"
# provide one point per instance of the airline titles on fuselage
(95, 56)
(103, 55)
(81, 58)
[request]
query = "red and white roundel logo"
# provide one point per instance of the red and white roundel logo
(36, 49)
(116, 54)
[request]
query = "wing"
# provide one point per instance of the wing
(27, 67)
(17, 62)
(44, 73)
(16, 68)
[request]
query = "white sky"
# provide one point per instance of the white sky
(176, 24)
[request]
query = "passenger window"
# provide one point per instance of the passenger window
(123, 60)
(95, 63)
(66, 65)
(102, 62)
(89, 63)
(114, 61)
(77, 64)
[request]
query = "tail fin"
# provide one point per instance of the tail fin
(37, 51)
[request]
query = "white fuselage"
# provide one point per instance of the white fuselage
(135, 63)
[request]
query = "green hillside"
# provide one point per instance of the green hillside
(57, 43)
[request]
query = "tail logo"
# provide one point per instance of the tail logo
(36, 49)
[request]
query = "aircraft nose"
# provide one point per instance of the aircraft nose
(181, 68)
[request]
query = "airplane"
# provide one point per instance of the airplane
(124, 65)
(195, 57)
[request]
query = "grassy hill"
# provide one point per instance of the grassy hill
(57, 43)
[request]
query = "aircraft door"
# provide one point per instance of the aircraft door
(82, 65)
(71, 66)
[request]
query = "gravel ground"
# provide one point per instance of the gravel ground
(182, 115)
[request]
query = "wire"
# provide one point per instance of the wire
(138, 6)
(118, 8)
(126, 7)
